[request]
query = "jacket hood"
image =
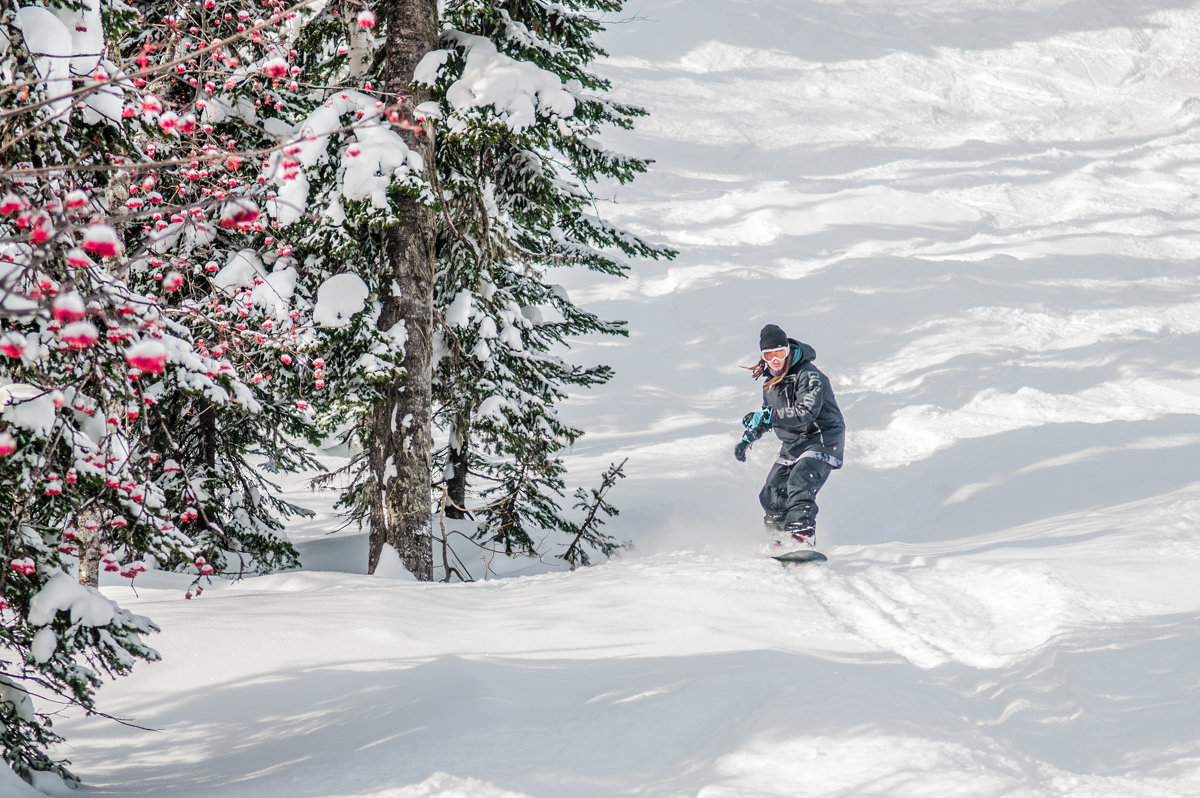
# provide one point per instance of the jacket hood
(801, 353)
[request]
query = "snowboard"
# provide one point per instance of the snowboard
(801, 556)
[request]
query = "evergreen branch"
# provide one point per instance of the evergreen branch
(588, 529)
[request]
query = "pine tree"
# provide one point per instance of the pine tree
(516, 171)
(399, 428)
(596, 508)
(369, 212)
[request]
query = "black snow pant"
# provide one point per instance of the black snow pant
(791, 490)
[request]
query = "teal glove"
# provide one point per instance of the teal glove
(757, 423)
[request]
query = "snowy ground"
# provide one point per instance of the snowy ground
(983, 215)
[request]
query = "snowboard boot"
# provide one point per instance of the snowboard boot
(802, 533)
(778, 540)
(773, 523)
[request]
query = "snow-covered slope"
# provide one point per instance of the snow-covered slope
(983, 215)
(900, 669)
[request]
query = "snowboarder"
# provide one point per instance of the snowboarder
(798, 405)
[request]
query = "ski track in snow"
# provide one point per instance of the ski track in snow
(983, 215)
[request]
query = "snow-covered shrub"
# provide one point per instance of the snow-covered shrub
(156, 331)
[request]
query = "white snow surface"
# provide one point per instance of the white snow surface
(981, 214)
(27, 406)
(517, 90)
(49, 42)
(86, 605)
(68, 43)
(339, 298)
(372, 161)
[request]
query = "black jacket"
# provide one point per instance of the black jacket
(804, 413)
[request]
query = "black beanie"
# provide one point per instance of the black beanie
(772, 337)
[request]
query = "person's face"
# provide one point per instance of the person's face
(776, 358)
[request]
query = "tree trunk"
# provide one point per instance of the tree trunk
(400, 440)
(87, 527)
(459, 460)
(208, 427)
